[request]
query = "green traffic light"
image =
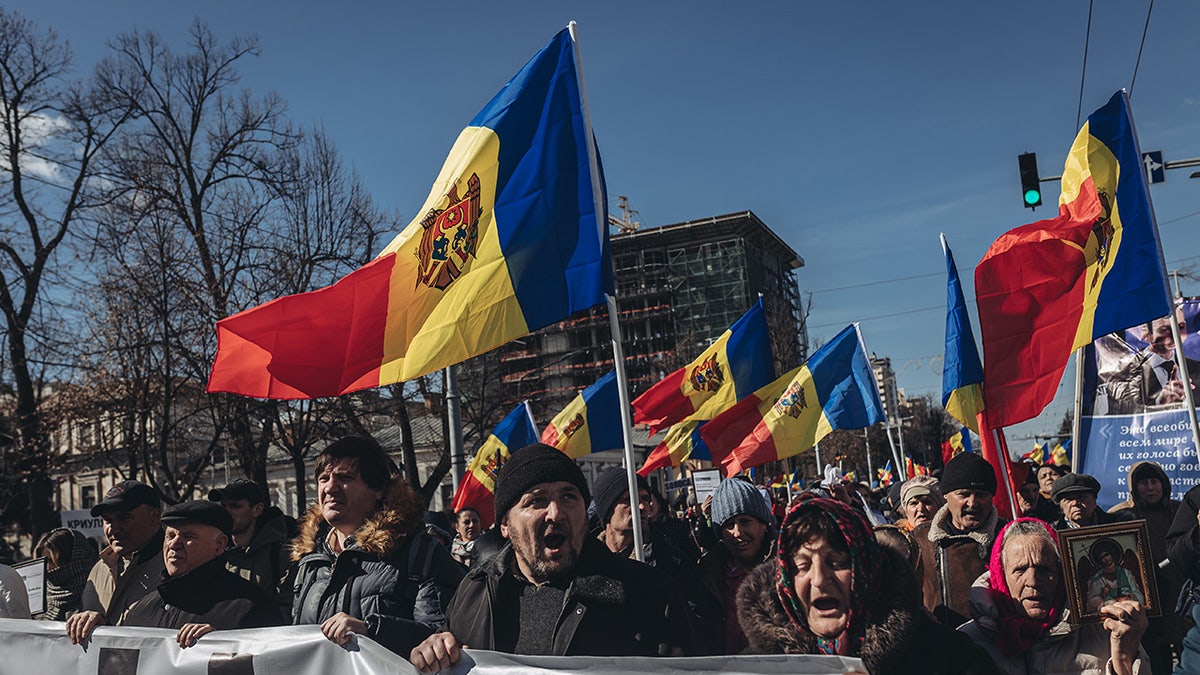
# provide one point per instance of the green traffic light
(1032, 196)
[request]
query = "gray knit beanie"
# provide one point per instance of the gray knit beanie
(735, 497)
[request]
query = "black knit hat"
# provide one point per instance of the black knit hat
(611, 486)
(968, 471)
(200, 511)
(532, 465)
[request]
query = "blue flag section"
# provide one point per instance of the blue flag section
(1133, 409)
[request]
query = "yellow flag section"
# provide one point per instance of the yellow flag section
(507, 242)
(591, 422)
(835, 389)
(477, 489)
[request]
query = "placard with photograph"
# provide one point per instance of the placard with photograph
(33, 573)
(1106, 563)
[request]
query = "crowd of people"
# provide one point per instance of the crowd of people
(926, 576)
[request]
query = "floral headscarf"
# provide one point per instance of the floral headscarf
(865, 561)
(1015, 631)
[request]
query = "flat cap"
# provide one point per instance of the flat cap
(125, 496)
(1073, 483)
(200, 511)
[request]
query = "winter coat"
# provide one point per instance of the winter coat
(398, 583)
(114, 583)
(950, 563)
(1100, 517)
(1183, 537)
(266, 560)
(1066, 649)
(208, 594)
(901, 637)
(613, 607)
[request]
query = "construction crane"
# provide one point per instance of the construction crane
(627, 222)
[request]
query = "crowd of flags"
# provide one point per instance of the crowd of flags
(514, 237)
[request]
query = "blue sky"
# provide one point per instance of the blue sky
(856, 130)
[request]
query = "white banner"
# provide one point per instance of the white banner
(43, 647)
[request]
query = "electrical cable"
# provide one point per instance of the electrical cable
(1142, 46)
(1086, 41)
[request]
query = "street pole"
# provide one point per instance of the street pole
(454, 417)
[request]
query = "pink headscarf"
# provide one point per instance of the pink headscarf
(1017, 632)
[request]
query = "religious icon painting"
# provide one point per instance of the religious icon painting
(1106, 563)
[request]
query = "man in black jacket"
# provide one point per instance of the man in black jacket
(197, 594)
(553, 590)
(260, 549)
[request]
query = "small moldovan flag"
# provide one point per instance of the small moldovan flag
(962, 376)
(885, 474)
(477, 489)
(508, 241)
(1060, 455)
(1037, 455)
(591, 422)
(1047, 288)
(835, 389)
(959, 442)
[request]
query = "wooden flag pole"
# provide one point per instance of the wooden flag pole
(614, 325)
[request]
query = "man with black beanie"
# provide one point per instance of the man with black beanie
(957, 545)
(552, 590)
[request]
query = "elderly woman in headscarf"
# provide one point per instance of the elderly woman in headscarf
(832, 589)
(920, 498)
(1020, 615)
(69, 557)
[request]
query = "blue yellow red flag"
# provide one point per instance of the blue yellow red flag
(591, 422)
(509, 240)
(1061, 454)
(835, 389)
(1048, 288)
(477, 489)
(956, 444)
(962, 374)
(735, 365)
(1037, 455)
(885, 474)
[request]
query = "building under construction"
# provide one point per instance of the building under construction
(678, 287)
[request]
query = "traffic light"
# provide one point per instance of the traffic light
(1031, 185)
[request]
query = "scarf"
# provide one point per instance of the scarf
(865, 562)
(1015, 631)
(64, 585)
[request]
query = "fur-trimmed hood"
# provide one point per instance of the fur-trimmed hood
(983, 536)
(897, 616)
(383, 533)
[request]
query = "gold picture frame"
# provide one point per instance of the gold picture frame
(1104, 563)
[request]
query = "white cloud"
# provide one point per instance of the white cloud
(39, 130)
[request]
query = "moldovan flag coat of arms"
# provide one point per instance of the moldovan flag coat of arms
(591, 422)
(508, 241)
(477, 489)
(1050, 287)
(734, 366)
(835, 389)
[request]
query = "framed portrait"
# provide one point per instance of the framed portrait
(1106, 563)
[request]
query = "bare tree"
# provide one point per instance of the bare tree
(52, 132)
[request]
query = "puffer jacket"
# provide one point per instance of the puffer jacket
(1066, 649)
(613, 606)
(951, 562)
(901, 637)
(397, 581)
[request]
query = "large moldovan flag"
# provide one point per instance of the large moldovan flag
(507, 242)
(835, 389)
(1048, 288)
(735, 365)
(962, 376)
(591, 422)
(477, 489)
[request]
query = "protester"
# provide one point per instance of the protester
(132, 564)
(1032, 504)
(553, 589)
(1046, 475)
(746, 529)
(1019, 613)
(260, 550)
(956, 545)
(1075, 494)
(14, 598)
(69, 558)
(198, 594)
(467, 529)
(1183, 549)
(675, 530)
(1150, 500)
(397, 581)
(831, 589)
(1189, 654)
(920, 498)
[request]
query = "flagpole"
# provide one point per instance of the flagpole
(870, 467)
(1077, 423)
(614, 325)
(529, 413)
(454, 422)
(820, 466)
(892, 444)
